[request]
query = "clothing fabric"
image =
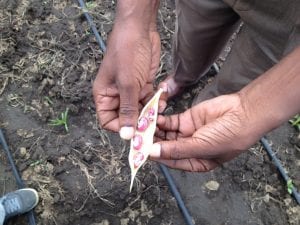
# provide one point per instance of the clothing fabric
(271, 30)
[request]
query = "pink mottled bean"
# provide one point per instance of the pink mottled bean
(151, 112)
(137, 142)
(138, 159)
(143, 124)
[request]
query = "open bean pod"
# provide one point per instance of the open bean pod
(143, 138)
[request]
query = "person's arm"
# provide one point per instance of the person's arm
(143, 12)
(127, 71)
(274, 97)
(219, 129)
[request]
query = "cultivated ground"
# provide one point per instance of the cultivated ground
(49, 58)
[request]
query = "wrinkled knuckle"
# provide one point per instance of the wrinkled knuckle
(126, 84)
(128, 111)
(175, 153)
(102, 123)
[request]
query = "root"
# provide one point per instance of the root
(4, 85)
(89, 178)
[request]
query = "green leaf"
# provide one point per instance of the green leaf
(296, 121)
(290, 186)
(63, 121)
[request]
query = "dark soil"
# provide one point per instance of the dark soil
(49, 58)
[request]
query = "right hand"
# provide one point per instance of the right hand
(206, 135)
(125, 77)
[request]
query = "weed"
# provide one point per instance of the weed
(296, 121)
(62, 121)
(90, 5)
(290, 186)
(49, 101)
(35, 163)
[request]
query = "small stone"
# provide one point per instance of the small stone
(103, 222)
(23, 152)
(212, 185)
(96, 171)
(287, 201)
(87, 157)
(266, 198)
(24, 133)
(56, 198)
(270, 189)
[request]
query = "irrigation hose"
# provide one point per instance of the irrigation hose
(277, 163)
(20, 183)
(92, 25)
(164, 169)
(175, 192)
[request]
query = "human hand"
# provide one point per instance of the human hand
(205, 136)
(125, 77)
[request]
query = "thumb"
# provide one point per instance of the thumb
(184, 148)
(129, 110)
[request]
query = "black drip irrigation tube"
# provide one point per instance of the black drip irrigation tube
(277, 163)
(19, 181)
(164, 169)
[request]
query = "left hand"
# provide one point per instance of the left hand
(205, 136)
(125, 78)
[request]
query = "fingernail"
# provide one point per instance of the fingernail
(126, 133)
(155, 150)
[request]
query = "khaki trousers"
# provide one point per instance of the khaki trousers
(270, 31)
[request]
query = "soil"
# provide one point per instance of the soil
(49, 58)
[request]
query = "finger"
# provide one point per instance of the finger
(112, 124)
(169, 123)
(184, 148)
(157, 139)
(129, 110)
(146, 93)
(192, 165)
(160, 134)
(106, 108)
(164, 86)
(162, 105)
(182, 123)
(171, 135)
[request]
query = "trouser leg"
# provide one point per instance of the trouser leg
(245, 62)
(202, 29)
(263, 40)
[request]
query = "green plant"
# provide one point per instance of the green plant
(35, 163)
(62, 121)
(50, 102)
(296, 121)
(90, 5)
(290, 186)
